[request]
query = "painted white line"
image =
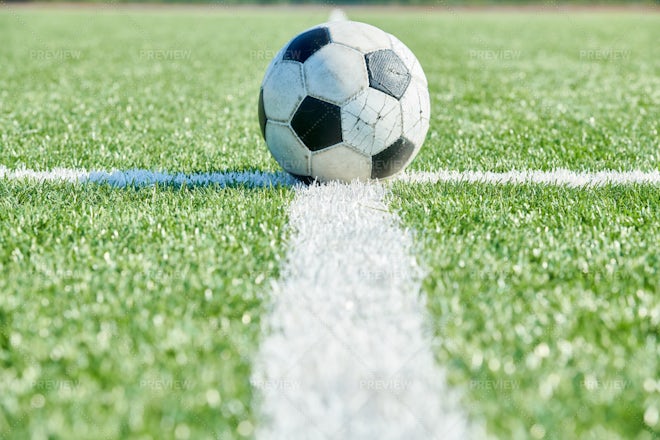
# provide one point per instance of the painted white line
(346, 352)
(558, 177)
(139, 178)
(54, 175)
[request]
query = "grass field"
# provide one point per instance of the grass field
(135, 312)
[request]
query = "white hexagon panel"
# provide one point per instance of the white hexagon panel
(287, 149)
(340, 162)
(360, 36)
(416, 112)
(283, 91)
(335, 73)
(371, 121)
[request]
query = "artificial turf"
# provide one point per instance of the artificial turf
(135, 313)
(132, 312)
(545, 303)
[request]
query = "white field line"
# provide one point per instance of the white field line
(140, 177)
(346, 351)
(558, 177)
(54, 175)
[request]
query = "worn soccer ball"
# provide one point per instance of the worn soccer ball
(344, 101)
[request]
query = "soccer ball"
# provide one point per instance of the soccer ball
(344, 101)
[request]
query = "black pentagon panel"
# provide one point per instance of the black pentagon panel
(387, 72)
(391, 159)
(262, 113)
(317, 123)
(305, 44)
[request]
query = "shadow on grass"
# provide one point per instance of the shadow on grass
(140, 178)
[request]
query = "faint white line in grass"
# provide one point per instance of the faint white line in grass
(558, 177)
(347, 352)
(337, 14)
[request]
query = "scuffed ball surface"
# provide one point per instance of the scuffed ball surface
(344, 101)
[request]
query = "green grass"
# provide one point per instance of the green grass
(128, 311)
(104, 100)
(106, 326)
(111, 105)
(545, 303)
